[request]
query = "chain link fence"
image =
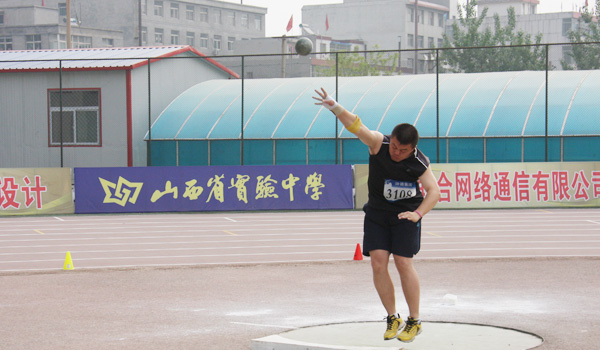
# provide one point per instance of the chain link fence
(471, 105)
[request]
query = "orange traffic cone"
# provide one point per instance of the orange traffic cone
(358, 253)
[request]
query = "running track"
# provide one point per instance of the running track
(131, 241)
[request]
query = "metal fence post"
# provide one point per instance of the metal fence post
(242, 117)
(149, 145)
(60, 119)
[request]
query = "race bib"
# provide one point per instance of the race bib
(397, 190)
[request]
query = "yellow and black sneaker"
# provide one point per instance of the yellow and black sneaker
(410, 331)
(393, 325)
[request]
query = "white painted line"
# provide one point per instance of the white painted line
(226, 218)
(59, 219)
(277, 247)
(594, 222)
(264, 325)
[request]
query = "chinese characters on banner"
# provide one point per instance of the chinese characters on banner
(35, 191)
(153, 189)
(519, 186)
(510, 185)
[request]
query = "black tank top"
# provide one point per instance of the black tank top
(393, 186)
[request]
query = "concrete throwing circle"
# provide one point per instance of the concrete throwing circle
(369, 336)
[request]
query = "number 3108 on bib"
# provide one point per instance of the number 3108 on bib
(397, 190)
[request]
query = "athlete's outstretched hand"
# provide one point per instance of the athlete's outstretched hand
(325, 100)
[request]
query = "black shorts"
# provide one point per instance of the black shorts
(383, 230)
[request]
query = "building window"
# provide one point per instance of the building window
(244, 20)
(108, 42)
(567, 51)
(158, 8)
(411, 40)
(1, 17)
(145, 7)
(411, 14)
(144, 36)
(80, 117)
(422, 16)
(190, 38)
(231, 18)
(189, 12)
(204, 40)
(158, 35)
(81, 42)
(174, 37)
(430, 42)
(62, 9)
(230, 41)
(431, 18)
(33, 42)
(440, 20)
(217, 42)
(420, 42)
(218, 19)
(6, 43)
(174, 10)
(440, 42)
(204, 14)
(566, 26)
(257, 23)
(60, 43)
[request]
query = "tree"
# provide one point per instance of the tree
(585, 55)
(494, 55)
(358, 64)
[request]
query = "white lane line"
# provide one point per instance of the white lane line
(151, 225)
(171, 257)
(59, 219)
(185, 249)
(226, 218)
(594, 222)
(286, 231)
(312, 239)
(181, 264)
(263, 325)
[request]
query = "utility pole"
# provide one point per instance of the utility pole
(69, 45)
(140, 23)
(416, 34)
(283, 56)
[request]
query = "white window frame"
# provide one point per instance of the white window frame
(72, 112)
(190, 12)
(159, 8)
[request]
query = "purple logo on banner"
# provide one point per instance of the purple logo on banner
(212, 188)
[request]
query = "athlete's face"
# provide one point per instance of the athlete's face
(399, 152)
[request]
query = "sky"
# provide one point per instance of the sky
(280, 11)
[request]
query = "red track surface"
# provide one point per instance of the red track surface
(121, 241)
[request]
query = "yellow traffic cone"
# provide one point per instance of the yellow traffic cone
(68, 262)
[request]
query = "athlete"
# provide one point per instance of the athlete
(393, 213)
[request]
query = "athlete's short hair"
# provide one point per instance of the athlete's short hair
(406, 134)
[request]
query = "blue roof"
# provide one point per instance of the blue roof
(470, 105)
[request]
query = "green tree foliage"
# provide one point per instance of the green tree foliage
(467, 36)
(352, 64)
(585, 55)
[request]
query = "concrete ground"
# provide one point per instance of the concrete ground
(227, 306)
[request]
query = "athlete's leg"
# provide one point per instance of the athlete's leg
(380, 260)
(410, 283)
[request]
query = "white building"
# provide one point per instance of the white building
(210, 26)
(522, 7)
(554, 27)
(276, 58)
(385, 24)
(106, 102)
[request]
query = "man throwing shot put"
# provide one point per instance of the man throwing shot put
(393, 213)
